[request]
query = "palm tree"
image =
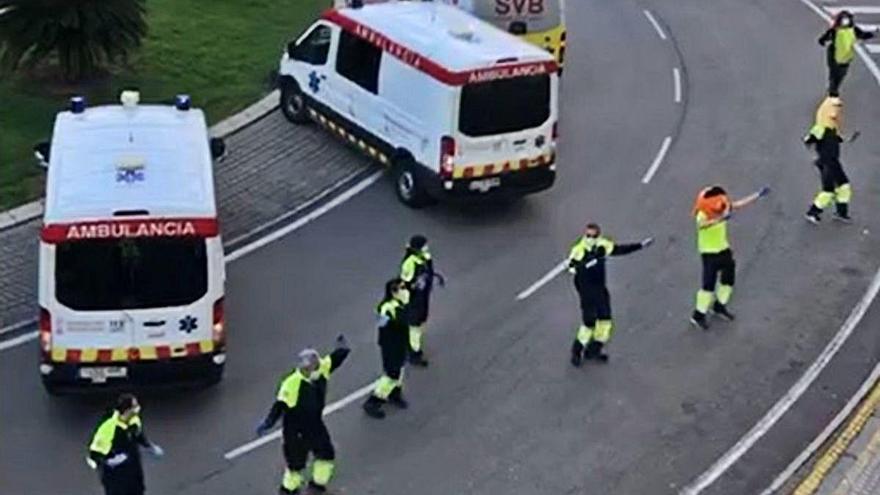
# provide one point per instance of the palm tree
(82, 35)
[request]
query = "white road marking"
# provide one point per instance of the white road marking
(17, 341)
(656, 24)
(826, 433)
(238, 253)
(794, 393)
(855, 9)
(543, 281)
(17, 326)
(773, 415)
(872, 47)
(657, 160)
(275, 435)
(676, 79)
(299, 223)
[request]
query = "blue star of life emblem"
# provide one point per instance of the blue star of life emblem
(314, 81)
(188, 324)
(129, 176)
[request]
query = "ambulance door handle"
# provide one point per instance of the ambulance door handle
(154, 323)
(519, 142)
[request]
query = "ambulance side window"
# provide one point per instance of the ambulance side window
(315, 47)
(358, 61)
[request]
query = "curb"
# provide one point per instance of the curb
(828, 459)
(230, 125)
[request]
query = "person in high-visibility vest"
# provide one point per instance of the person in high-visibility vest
(825, 137)
(115, 449)
(394, 343)
(712, 210)
(417, 270)
(841, 40)
(300, 400)
(587, 262)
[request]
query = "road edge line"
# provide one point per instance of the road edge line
(826, 462)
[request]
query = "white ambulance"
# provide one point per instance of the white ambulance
(131, 269)
(456, 107)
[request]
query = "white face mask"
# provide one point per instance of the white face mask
(845, 22)
(315, 375)
(402, 296)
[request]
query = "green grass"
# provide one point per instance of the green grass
(220, 52)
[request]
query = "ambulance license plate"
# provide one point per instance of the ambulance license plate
(485, 184)
(101, 374)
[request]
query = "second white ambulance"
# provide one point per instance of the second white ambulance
(456, 107)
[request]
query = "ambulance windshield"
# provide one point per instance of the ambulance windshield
(504, 105)
(141, 273)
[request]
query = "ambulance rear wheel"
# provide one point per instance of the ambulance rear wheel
(51, 388)
(408, 185)
(293, 104)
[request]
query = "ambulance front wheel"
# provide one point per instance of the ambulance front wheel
(408, 184)
(293, 104)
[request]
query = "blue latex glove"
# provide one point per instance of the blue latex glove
(763, 191)
(647, 241)
(262, 428)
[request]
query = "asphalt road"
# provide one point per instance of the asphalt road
(501, 410)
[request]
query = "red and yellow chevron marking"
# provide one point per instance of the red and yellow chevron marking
(141, 353)
(474, 171)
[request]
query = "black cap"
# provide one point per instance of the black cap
(418, 241)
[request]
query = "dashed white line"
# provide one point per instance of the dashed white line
(556, 270)
(656, 24)
(657, 160)
(872, 47)
(238, 253)
(275, 435)
(676, 79)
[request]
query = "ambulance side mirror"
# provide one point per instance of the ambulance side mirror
(41, 153)
(218, 147)
(517, 28)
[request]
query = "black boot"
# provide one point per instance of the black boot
(598, 354)
(396, 398)
(814, 215)
(316, 488)
(373, 407)
(721, 310)
(417, 358)
(577, 353)
(841, 213)
(699, 319)
(285, 491)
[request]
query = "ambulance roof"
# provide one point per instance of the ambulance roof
(111, 158)
(448, 37)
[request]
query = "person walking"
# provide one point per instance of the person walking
(394, 343)
(417, 270)
(712, 210)
(587, 262)
(840, 42)
(114, 451)
(300, 401)
(825, 137)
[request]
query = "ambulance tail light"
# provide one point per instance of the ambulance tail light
(447, 156)
(218, 334)
(45, 331)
